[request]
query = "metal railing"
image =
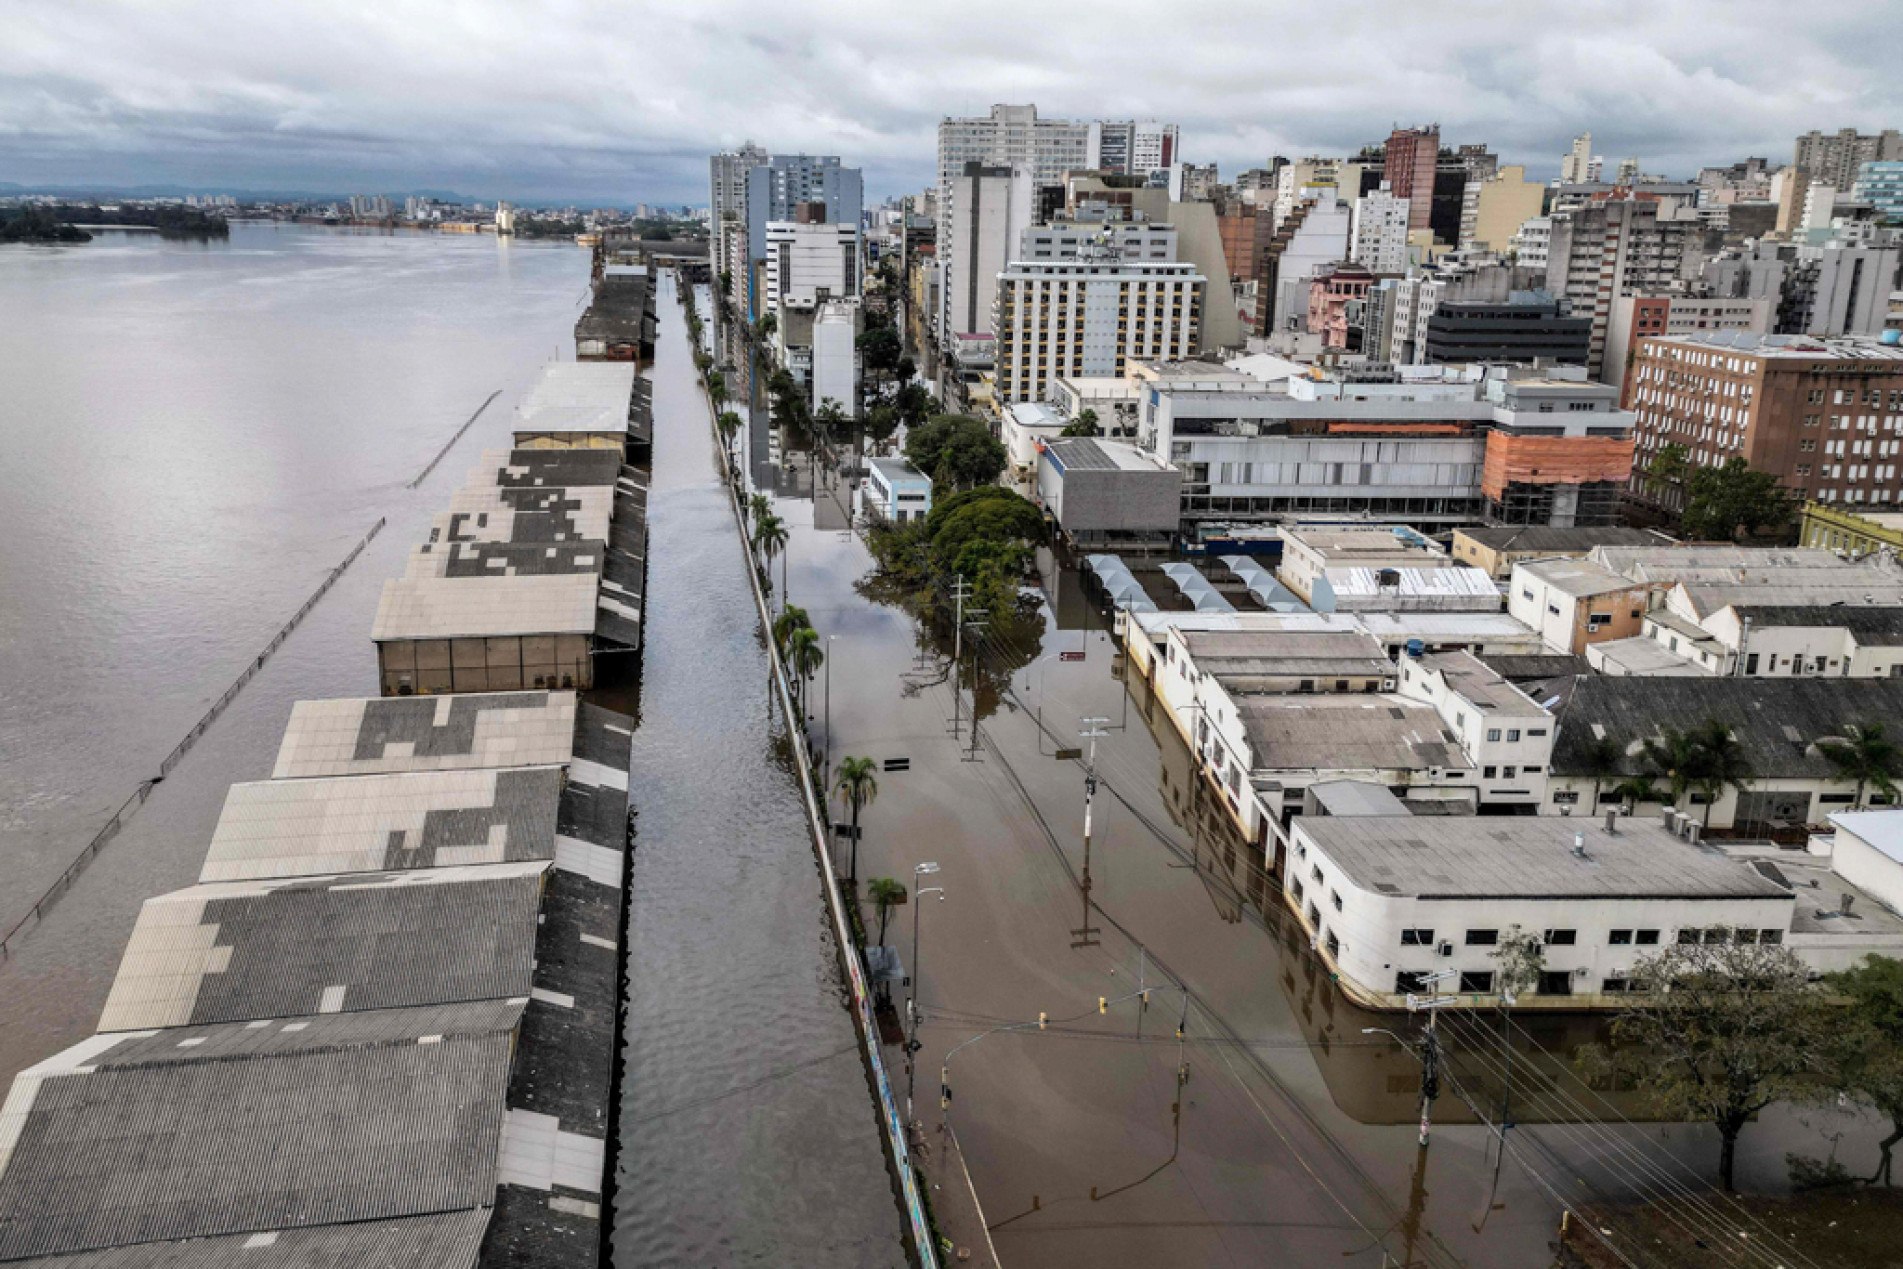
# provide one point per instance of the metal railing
(70, 873)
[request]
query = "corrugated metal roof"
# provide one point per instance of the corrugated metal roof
(447, 1240)
(451, 608)
(302, 828)
(239, 1127)
(264, 949)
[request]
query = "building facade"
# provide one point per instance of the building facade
(1090, 317)
(1410, 159)
(1613, 247)
(1834, 158)
(1824, 416)
(1378, 233)
(990, 210)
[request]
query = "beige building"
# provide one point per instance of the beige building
(1573, 603)
(1496, 550)
(1493, 210)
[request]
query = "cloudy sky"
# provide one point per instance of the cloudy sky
(618, 102)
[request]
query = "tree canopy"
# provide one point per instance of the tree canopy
(1721, 502)
(956, 450)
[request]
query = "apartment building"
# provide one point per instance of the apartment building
(810, 261)
(1833, 158)
(727, 202)
(1636, 317)
(1830, 287)
(1091, 316)
(1492, 210)
(1825, 416)
(1614, 246)
(1378, 232)
(990, 210)
(1411, 157)
(1143, 148)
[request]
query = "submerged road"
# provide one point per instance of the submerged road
(747, 1131)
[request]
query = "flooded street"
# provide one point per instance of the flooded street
(1292, 1140)
(747, 1131)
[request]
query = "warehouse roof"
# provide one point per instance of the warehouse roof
(1528, 857)
(1579, 578)
(1345, 733)
(1777, 721)
(1481, 685)
(1241, 660)
(1870, 626)
(493, 607)
(291, 828)
(233, 951)
(256, 1126)
(555, 468)
(506, 559)
(583, 512)
(368, 736)
(446, 1240)
(1541, 537)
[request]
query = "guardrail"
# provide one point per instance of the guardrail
(898, 1148)
(70, 874)
(443, 453)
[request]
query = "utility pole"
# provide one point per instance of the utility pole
(977, 619)
(1086, 936)
(911, 1001)
(960, 588)
(1430, 1044)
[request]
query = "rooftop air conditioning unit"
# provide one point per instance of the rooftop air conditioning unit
(1445, 947)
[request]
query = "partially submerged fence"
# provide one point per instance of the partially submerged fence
(70, 874)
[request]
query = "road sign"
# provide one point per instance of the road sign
(1068, 755)
(898, 764)
(848, 832)
(1070, 656)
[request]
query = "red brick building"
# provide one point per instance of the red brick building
(1411, 158)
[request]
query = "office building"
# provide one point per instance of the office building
(1090, 317)
(1825, 416)
(1643, 316)
(811, 261)
(795, 187)
(1528, 327)
(1834, 158)
(1880, 184)
(1143, 148)
(1828, 288)
(1409, 161)
(1378, 232)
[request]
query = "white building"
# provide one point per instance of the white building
(896, 491)
(1091, 316)
(1131, 148)
(1073, 239)
(1506, 735)
(1390, 900)
(836, 355)
(1320, 240)
(991, 211)
(1380, 232)
(1010, 137)
(727, 204)
(808, 263)
(1576, 166)
(1025, 426)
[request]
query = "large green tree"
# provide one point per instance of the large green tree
(956, 450)
(1721, 502)
(1870, 1045)
(1869, 757)
(1723, 1029)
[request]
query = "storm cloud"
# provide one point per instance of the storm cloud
(613, 102)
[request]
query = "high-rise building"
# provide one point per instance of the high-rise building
(1617, 246)
(727, 199)
(1011, 137)
(1191, 182)
(1820, 415)
(1833, 159)
(1311, 237)
(1492, 210)
(1527, 327)
(991, 207)
(1411, 156)
(1636, 317)
(785, 188)
(809, 262)
(1379, 232)
(1090, 317)
(1827, 288)
(1576, 165)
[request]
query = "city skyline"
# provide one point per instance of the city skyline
(500, 104)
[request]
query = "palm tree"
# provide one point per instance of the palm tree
(884, 893)
(856, 788)
(1722, 762)
(728, 425)
(805, 656)
(1673, 756)
(1866, 755)
(1635, 790)
(716, 388)
(1601, 760)
(759, 506)
(770, 537)
(791, 618)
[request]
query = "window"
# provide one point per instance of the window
(1476, 980)
(1620, 938)
(1614, 986)
(1561, 938)
(1334, 897)
(1556, 982)
(1488, 773)
(1410, 982)
(1417, 937)
(1333, 944)
(1646, 938)
(1482, 938)
(1315, 873)
(1295, 888)
(1493, 733)
(1770, 936)
(1541, 731)
(1507, 773)
(1688, 938)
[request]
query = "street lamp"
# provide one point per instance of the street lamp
(911, 1001)
(826, 772)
